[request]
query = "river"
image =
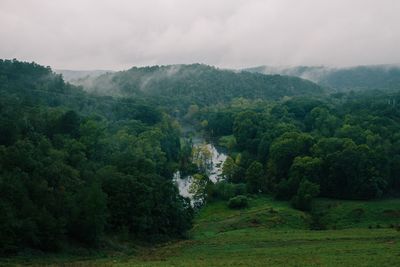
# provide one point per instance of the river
(214, 169)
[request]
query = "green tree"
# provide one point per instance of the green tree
(255, 178)
(200, 188)
(202, 157)
(229, 169)
(305, 194)
(90, 215)
(283, 151)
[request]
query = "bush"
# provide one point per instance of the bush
(287, 188)
(305, 194)
(224, 190)
(238, 202)
(240, 189)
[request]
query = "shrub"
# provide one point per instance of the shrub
(238, 202)
(305, 194)
(240, 189)
(224, 190)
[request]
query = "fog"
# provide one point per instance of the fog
(118, 34)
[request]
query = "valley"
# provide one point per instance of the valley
(191, 165)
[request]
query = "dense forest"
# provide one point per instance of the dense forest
(81, 163)
(345, 146)
(179, 86)
(287, 137)
(358, 78)
(75, 168)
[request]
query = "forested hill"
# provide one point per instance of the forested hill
(197, 83)
(386, 77)
(75, 168)
(74, 75)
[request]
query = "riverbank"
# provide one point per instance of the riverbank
(213, 155)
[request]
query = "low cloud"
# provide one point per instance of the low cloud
(118, 34)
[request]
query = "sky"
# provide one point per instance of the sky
(119, 34)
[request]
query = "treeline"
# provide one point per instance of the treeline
(178, 86)
(363, 78)
(345, 146)
(360, 78)
(78, 168)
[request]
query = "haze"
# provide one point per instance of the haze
(96, 34)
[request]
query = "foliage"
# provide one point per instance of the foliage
(228, 141)
(238, 202)
(359, 78)
(229, 169)
(75, 167)
(202, 157)
(268, 231)
(255, 177)
(346, 145)
(224, 190)
(305, 194)
(200, 188)
(184, 88)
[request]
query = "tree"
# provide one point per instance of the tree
(228, 142)
(75, 166)
(229, 169)
(305, 194)
(238, 202)
(255, 178)
(192, 111)
(302, 168)
(245, 130)
(90, 215)
(322, 121)
(200, 189)
(69, 124)
(202, 157)
(220, 123)
(353, 173)
(283, 151)
(306, 167)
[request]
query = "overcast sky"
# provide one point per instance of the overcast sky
(118, 34)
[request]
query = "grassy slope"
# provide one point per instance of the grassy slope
(271, 233)
(340, 214)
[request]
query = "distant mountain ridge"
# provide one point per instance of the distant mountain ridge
(73, 75)
(342, 79)
(197, 83)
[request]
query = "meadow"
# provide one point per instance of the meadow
(270, 233)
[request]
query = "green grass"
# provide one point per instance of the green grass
(271, 233)
(262, 213)
(341, 214)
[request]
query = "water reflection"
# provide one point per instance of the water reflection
(214, 171)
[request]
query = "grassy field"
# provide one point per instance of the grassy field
(271, 233)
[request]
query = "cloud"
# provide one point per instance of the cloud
(117, 34)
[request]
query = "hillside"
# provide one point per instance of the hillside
(75, 168)
(269, 233)
(76, 75)
(385, 77)
(196, 83)
(90, 177)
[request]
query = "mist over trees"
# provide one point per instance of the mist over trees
(79, 166)
(358, 78)
(179, 86)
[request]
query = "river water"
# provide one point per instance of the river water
(218, 157)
